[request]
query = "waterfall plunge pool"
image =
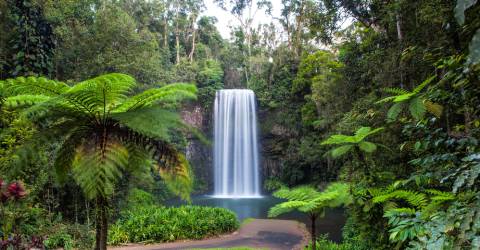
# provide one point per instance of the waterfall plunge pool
(257, 207)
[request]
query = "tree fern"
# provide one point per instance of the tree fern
(308, 200)
(348, 143)
(417, 105)
(102, 131)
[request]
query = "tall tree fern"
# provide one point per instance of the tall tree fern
(103, 131)
(308, 200)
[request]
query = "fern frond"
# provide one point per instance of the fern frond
(36, 86)
(423, 84)
(167, 96)
(433, 108)
(339, 151)
(363, 132)
(106, 91)
(413, 198)
(338, 139)
(399, 212)
(417, 108)
(154, 122)
(66, 152)
(394, 111)
(22, 101)
(301, 193)
(284, 207)
(395, 91)
(96, 172)
(178, 177)
(386, 99)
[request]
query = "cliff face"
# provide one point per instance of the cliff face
(273, 139)
(199, 154)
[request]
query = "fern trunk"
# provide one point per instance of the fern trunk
(313, 233)
(101, 225)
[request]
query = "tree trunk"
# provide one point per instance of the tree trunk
(298, 35)
(101, 225)
(313, 233)
(165, 34)
(194, 32)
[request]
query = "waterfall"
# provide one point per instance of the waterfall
(236, 144)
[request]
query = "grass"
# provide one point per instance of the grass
(246, 221)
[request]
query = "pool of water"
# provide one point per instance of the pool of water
(330, 224)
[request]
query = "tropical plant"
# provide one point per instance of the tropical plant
(160, 224)
(103, 132)
(349, 143)
(416, 103)
(308, 200)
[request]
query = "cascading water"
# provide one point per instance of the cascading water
(236, 144)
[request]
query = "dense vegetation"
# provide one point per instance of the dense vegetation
(160, 224)
(380, 95)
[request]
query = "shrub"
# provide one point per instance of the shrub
(323, 243)
(57, 240)
(161, 224)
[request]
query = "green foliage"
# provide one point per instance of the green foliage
(308, 200)
(162, 224)
(353, 141)
(58, 240)
(102, 132)
(416, 104)
(31, 41)
(323, 243)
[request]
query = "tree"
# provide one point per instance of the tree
(308, 200)
(31, 42)
(102, 132)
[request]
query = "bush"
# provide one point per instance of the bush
(324, 244)
(57, 240)
(161, 224)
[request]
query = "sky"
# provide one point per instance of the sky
(225, 19)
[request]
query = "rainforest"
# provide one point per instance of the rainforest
(240, 124)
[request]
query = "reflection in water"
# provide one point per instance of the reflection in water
(331, 224)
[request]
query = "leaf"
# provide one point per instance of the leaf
(461, 7)
(417, 108)
(367, 146)
(474, 48)
(422, 85)
(404, 97)
(339, 151)
(433, 108)
(394, 111)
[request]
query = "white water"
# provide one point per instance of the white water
(236, 145)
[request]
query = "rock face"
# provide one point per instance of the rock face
(273, 142)
(199, 154)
